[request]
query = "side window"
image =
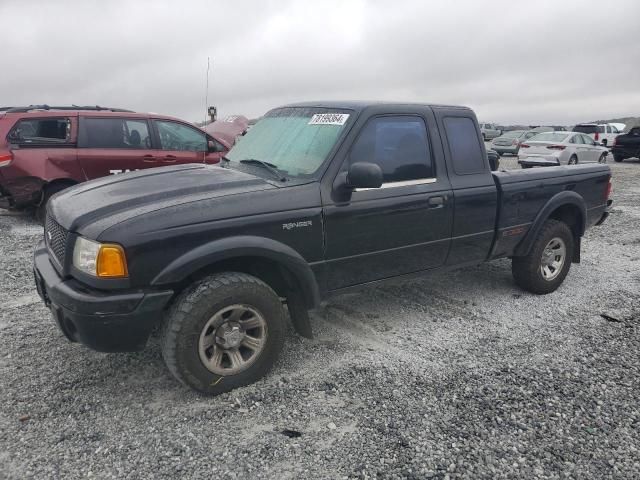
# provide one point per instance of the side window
(608, 129)
(587, 140)
(179, 137)
(578, 139)
(398, 144)
(464, 145)
(114, 133)
(574, 139)
(41, 130)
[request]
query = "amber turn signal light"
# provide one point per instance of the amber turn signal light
(112, 262)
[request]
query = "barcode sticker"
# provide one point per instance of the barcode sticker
(329, 119)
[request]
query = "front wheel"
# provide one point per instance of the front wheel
(603, 158)
(573, 160)
(223, 332)
(548, 262)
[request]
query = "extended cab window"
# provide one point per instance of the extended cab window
(178, 137)
(398, 144)
(464, 145)
(40, 131)
(114, 133)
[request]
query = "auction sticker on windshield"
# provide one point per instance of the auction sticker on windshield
(329, 119)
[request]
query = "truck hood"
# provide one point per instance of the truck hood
(91, 207)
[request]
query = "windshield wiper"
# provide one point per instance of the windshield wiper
(268, 166)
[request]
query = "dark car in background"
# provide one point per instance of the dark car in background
(627, 145)
(44, 150)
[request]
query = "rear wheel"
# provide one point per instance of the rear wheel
(549, 260)
(573, 160)
(48, 192)
(604, 142)
(223, 332)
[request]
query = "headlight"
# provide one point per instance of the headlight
(104, 260)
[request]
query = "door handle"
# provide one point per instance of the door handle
(436, 202)
(170, 159)
(148, 158)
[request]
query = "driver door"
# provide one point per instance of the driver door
(180, 143)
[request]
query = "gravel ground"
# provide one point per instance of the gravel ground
(457, 375)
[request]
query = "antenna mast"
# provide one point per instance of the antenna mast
(206, 95)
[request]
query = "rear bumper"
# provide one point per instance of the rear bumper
(539, 161)
(104, 321)
(505, 149)
(605, 214)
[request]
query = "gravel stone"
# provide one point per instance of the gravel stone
(456, 375)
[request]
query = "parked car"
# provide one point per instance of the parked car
(315, 200)
(560, 148)
(509, 142)
(489, 131)
(229, 129)
(627, 145)
(603, 133)
(44, 150)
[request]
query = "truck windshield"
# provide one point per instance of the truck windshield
(295, 140)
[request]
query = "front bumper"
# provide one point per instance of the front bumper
(104, 321)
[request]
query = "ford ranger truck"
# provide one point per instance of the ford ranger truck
(317, 199)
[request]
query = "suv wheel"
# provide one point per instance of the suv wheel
(547, 264)
(618, 158)
(223, 332)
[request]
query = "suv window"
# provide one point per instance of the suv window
(585, 128)
(179, 137)
(115, 133)
(466, 153)
(398, 144)
(41, 130)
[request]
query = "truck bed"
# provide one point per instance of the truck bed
(522, 194)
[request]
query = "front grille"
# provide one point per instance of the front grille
(56, 238)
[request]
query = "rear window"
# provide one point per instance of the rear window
(549, 137)
(589, 128)
(513, 134)
(40, 130)
(464, 145)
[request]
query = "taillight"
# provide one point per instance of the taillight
(524, 145)
(556, 147)
(608, 190)
(597, 136)
(5, 158)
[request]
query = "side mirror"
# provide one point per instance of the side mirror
(494, 160)
(211, 146)
(364, 175)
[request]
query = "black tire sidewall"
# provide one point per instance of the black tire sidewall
(526, 270)
(204, 303)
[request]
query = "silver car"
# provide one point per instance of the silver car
(509, 142)
(561, 148)
(489, 131)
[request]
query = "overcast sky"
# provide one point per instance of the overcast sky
(512, 61)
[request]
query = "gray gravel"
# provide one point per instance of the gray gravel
(457, 375)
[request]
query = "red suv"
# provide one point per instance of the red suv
(46, 149)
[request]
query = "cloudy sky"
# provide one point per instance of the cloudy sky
(512, 61)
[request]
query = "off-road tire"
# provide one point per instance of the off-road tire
(188, 315)
(618, 158)
(527, 270)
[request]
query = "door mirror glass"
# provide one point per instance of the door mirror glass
(364, 175)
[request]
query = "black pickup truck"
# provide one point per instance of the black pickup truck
(316, 199)
(627, 145)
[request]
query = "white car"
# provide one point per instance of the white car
(560, 148)
(604, 133)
